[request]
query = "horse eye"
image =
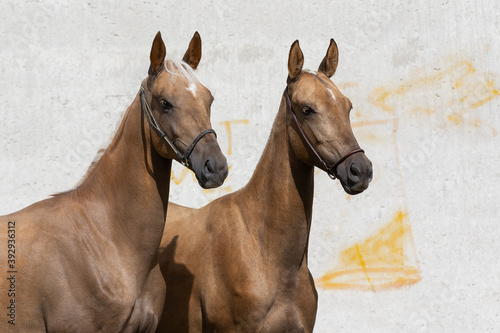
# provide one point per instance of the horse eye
(307, 111)
(166, 104)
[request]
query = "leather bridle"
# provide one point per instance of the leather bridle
(156, 127)
(331, 170)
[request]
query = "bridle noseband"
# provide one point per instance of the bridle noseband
(154, 125)
(331, 170)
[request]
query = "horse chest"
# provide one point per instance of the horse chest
(264, 315)
(112, 318)
(264, 305)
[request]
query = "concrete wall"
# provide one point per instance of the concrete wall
(418, 251)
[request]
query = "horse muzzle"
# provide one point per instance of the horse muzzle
(355, 173)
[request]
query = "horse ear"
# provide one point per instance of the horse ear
(295, 61)
(157, 55)
(331, 60)
(193, 54)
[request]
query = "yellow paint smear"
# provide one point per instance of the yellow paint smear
(382, 261)
(227, 124)
(180, 178)
(460, 88)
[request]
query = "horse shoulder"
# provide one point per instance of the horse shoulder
(59, 251)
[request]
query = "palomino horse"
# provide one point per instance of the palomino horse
(239, 264)
(80, 260)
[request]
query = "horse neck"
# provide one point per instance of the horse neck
(126, 194)
(282, 190)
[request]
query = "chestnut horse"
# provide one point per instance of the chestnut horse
(239, 264)
(80, 260)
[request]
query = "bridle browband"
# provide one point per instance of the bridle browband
(156, 127)
(331, 170)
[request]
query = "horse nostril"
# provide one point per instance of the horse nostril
(209, 167)
(354, 170)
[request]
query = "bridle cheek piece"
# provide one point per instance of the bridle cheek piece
(331, 170)
(156, 127)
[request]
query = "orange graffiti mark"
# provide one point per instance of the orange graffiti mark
(227, 124)
(455, 118)
(179, 179)
(382, 261)
(347, 85)
(490, 92)
(373, 123)
(423, 110)
(363, 265)
(379, 97)
(453, 92)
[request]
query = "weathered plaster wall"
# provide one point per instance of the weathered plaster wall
(418, 251)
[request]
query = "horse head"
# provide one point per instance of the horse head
(178, 109)
(319, 114)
